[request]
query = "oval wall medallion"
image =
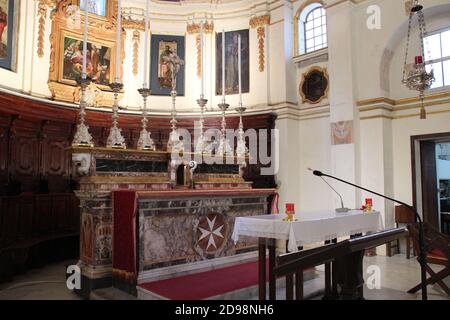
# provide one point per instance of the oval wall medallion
(314, 85)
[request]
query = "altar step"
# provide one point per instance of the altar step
(238, 282)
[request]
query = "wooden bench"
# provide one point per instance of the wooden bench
(37, 229)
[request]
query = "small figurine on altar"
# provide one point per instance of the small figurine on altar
(290, 212)
(368, 207)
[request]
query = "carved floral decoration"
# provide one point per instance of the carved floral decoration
(259, 23)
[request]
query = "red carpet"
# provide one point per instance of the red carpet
(206, 284)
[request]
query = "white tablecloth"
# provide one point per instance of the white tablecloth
(310, 227)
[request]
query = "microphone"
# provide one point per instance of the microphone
(342, 209)
(316, 172)
(422, 244)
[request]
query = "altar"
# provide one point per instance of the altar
(147, 216)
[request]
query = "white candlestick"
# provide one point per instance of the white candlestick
(147, 18)
(85, 39)
(118, 42)
(201, 64)
(239, 68)
(223, 65)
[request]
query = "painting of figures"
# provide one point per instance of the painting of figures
(164, 47)
(231, 62)
(97, 7)
(9, 16)
(166, 50)
(98, 61)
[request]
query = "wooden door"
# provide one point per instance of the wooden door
(429, 183)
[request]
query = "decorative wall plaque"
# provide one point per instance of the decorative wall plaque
(314, 85)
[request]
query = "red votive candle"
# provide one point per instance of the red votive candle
(369, 202)
(290, 207)
(419, 59)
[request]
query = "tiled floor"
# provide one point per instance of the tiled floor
(397, 276)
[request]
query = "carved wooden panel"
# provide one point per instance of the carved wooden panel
(3, 151)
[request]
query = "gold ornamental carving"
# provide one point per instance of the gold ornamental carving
(199, 56)
(136, 42)
(42, 13)
(133, 24)
(193, 28)
(260, 23)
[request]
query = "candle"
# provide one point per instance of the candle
(118, 44)
(85, 38)
(240, 71)
(147, 18)
(201, 56)
(223, 65)
(290, 207)
(419, 59)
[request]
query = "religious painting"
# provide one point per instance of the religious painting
(9, 25)
(97, 7)
(232, 62)
(342, 132)
(163, 48)
(98, 66)
(314, 86)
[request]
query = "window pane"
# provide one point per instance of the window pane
(309, 34)
(445, 38)
(309, 25)
(432, 46)
(317, 32)
(447, 73)
(310, 43)
(324, 39)
(437, 68)
(318, 41)
(316, 13)
(317, 23)
(324, 29)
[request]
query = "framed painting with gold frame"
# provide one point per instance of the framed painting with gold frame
(314, 86)
(66, 52)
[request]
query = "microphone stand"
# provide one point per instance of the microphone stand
(422, 244)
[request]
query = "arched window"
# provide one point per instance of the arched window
(312, 28)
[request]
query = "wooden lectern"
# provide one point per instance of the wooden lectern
(347, 259)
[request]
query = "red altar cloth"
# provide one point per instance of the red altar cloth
(124, 235)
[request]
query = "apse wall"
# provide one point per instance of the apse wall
(271, 74)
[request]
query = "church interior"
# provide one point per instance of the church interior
(224, 149)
